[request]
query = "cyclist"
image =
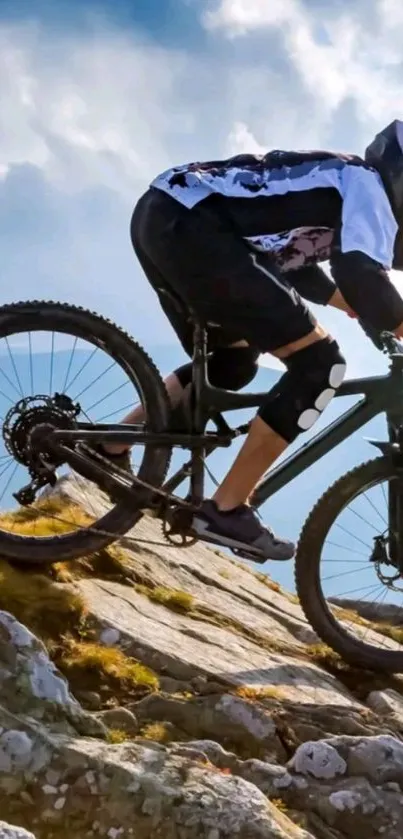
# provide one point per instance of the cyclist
(239, 241)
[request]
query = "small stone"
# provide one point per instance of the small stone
(319, 759)
(120, 718)
(59, 804)
(9, 832)
(109, 637)
(48, 789)
(90, 699)
(52, 777)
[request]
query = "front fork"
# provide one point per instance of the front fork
(393, 449)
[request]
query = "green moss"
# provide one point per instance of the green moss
(261, 693)
(91, 665)
(157, 731)
(178, 601)
(115, 736)
(393, 632)
(359, 681)
(41, 604)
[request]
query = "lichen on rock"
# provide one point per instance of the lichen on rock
(206, 715)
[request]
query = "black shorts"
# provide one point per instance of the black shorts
(198, 257)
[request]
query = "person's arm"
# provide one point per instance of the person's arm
(363, 252)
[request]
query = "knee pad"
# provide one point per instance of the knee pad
(299, 397)
(231, 368)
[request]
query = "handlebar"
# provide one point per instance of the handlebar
(384, 341)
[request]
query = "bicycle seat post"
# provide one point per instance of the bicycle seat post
(199, 377)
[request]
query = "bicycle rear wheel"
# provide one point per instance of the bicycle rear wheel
(48, 348)
(346, 604)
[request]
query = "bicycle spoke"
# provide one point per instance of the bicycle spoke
(362, 518)
(357, 538)
(345, 574)
(69, 365)
(111, 393)
(14, 366)
(81, 370)
(9, 482)
(51, 363)
(31, 365)
(345, 548)
(376, 586)
(94, 381)
(375, 508)
(118, 411)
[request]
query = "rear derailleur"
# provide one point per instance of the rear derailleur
(26, 432)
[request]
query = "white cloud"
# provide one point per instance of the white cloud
(347, 61)
(99, 114)
(241, 139)
(240, 16)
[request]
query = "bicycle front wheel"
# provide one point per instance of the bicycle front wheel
(53, 348)
(349, 589)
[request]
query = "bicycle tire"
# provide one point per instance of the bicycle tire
(142, 372)
(307, 562)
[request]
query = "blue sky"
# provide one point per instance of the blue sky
(97, 98)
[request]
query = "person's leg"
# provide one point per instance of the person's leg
(276, 319)
(262, 446)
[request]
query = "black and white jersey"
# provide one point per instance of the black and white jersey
(299, 206)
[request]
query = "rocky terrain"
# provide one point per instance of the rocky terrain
(148, 691)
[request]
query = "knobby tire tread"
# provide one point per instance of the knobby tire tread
(142, 371)
(307, 564)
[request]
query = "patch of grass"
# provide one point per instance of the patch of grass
(393, 632)
(280, 804)
(157, 731)
(359, 681)
(92, 666)
(39, 597)
(53, 517)
(350, 616)
(324, 655)
(178, 601)
(116, 735)
(267, 581)
(271, 584)
(38, 602)
(386, 629)
(259, 693)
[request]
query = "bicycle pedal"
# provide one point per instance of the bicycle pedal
(251, 556)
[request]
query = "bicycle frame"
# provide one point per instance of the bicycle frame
(381, 394)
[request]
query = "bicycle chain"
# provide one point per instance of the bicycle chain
(157, 490)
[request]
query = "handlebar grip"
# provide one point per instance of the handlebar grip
(384, 341)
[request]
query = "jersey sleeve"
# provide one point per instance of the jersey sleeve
(364, 248)
(367, 221)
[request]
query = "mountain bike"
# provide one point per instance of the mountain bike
(44, 430)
